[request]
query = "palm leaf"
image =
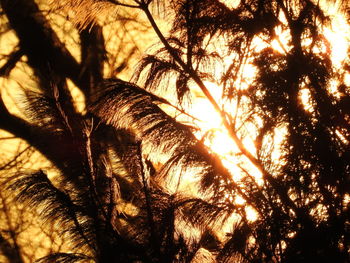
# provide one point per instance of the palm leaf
(126, 106)
(47, 112)
(37, 191)
(85, 12)
(64, 258)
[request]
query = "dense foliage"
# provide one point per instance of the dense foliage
(132, 182)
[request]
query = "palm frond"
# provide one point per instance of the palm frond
(64, 258)
(196, 19)
(237, 244)
(160, 69)
(203, 214)
(173, 234)
(156, 72)
(36, 190)
(47, 112)
(85, 12)
(126, 106)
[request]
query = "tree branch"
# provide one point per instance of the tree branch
(38, 41)
(14, 57)
(92, 58)
(35, 136)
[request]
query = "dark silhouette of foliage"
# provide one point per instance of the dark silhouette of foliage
(133, 183)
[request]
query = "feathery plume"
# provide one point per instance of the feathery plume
(85, 13)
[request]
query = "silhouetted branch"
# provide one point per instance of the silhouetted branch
(38, 41)
(14, 57)
(11, 252)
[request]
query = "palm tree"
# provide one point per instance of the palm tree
(109, 156)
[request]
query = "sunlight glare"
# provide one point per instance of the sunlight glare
(305, 98)
(280, 42)
(247, 77)
(337, 34)
(231, 3)
(251, 214)
(239, 200)
(347, 79)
